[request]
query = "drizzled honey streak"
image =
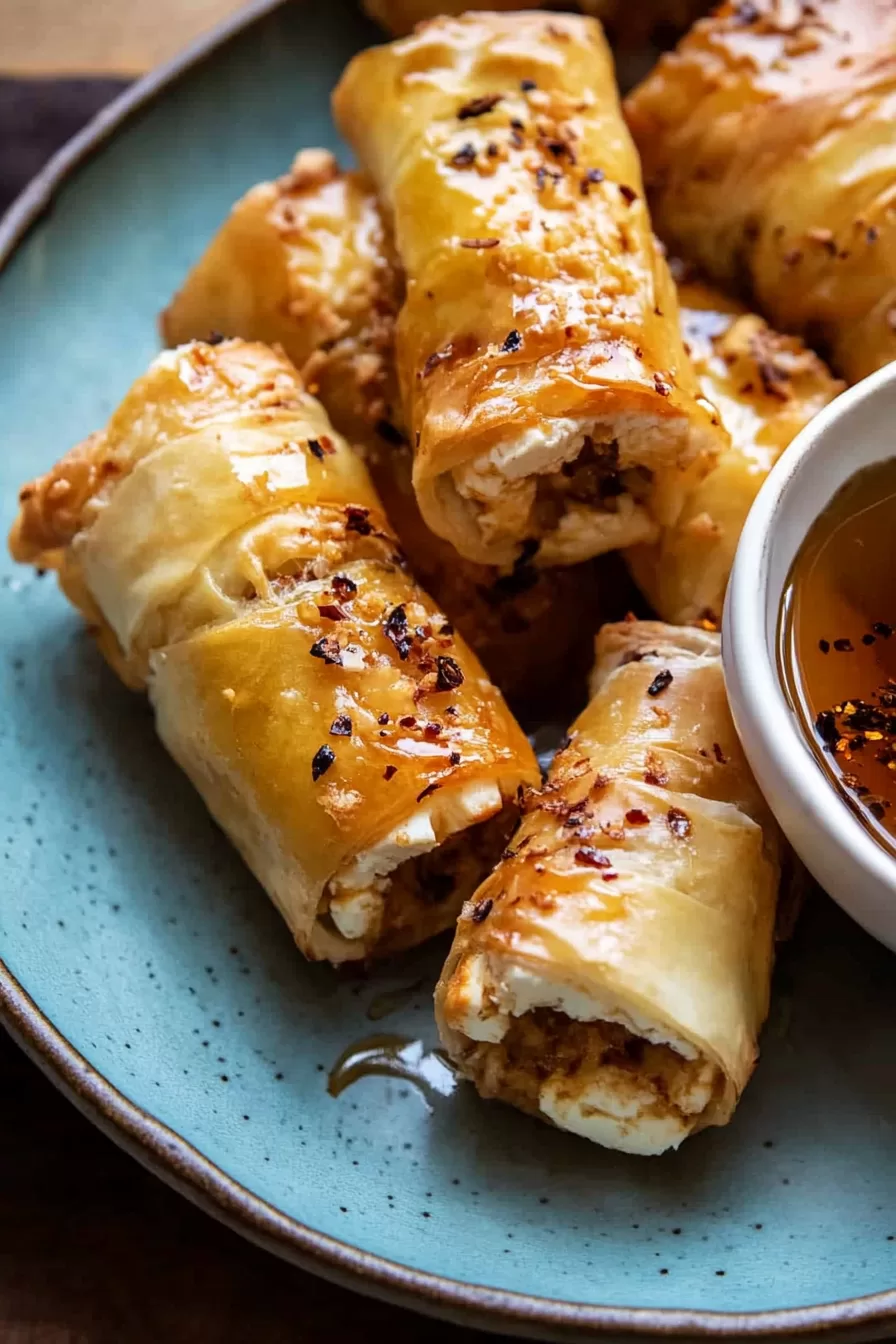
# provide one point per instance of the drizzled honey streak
(837, 644)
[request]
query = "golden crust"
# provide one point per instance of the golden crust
(768, 140)
(766, 387)
(238, 562)
(530, 627)
(642, 878)
(537, 307)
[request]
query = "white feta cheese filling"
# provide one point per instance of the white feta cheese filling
(357, 893)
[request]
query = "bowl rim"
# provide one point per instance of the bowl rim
(759, 700)
(180, 1165)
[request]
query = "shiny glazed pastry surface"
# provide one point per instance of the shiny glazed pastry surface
(768, 140)
(305, 261)
(612, 974)
(538, 348)
(233, 553)
(766, 387)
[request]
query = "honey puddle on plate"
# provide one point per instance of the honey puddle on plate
(399, 1057)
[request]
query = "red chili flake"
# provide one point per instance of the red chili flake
(395, 628)
(343, 586)
(628, 194)
(465, 157)
(527, 85)
(214, 338)
(446, 628)
(449, 675)
(481, 910)
(315, 448)
(592, 858)
(341, 726)
(719, 754)
(635, 817)
(868, 640)
(323, 759)
(390, 433)
(357, 520)
(491, 149)
(844, 646)
(389, 771)
(609, 877)
(477, 107)
(512, 342)
(881, 628)
(327, 648)
(430, 788)
(479, 242)
(407, 721)
(679, 822)
(591, 178)
(660, 682)
(431, 731)
(661, 385)
(824, 646)
(331, 612)
(454, 758)
(559, 148)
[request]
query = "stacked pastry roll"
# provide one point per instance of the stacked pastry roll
(539, 355)
(768, 140)
(233, 553)
(766, 387)
(306, 262)
(612, 974)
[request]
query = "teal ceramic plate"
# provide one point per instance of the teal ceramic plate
(146, 972)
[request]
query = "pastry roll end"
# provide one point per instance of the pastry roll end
(612, 974)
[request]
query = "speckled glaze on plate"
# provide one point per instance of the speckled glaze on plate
(146, 972)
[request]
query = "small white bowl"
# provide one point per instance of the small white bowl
(855, 431)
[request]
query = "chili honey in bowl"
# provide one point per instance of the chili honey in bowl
(814, 572)
(837, 647)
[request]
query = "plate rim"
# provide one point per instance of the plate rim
(174, 1160)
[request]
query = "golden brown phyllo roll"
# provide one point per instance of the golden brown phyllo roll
(538, 349)
(769, 148)
(306, 261)
(766, 387)
(234, 554)
(612, 974)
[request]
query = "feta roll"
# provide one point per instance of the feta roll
(538, 348)
(767, 387)
(612, 974)
(306, 261)
(233, 554)
(768, 140)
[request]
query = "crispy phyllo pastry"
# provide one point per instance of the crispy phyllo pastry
(538, 347)
(629, 24)
(769, 147)
(766, 387)
(305, 261)
(233, 553)
(612, 974)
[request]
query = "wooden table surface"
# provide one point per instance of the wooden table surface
(93, 1249)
